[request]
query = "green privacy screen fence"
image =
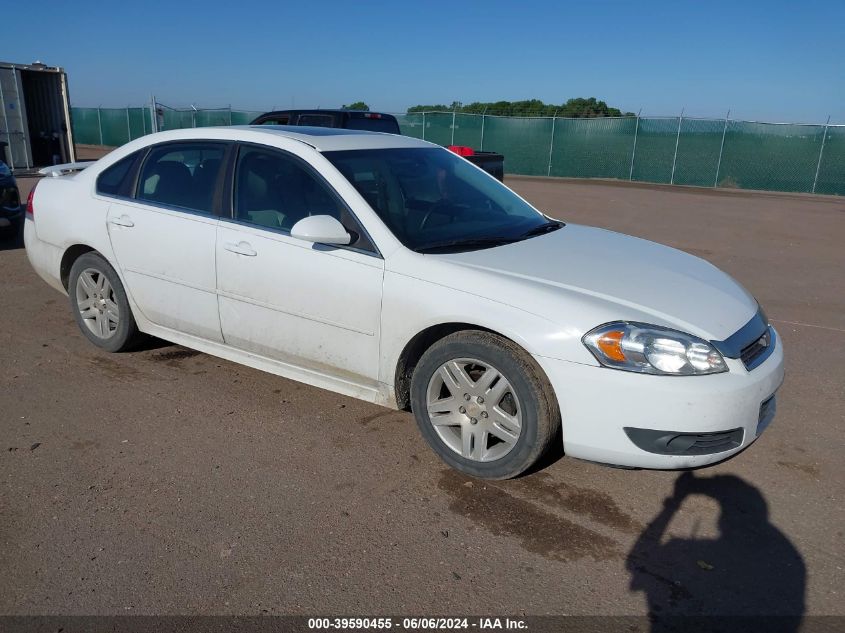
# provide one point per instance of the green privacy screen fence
(676, 150)
(116, 126)
(110, 126)
(672, 150)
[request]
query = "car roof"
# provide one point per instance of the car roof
(322, 139)
(326, 139)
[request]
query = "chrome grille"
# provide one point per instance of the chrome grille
(755, 353)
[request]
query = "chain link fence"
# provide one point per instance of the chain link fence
(726, 153)
(114, 127)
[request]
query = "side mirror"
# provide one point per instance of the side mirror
(321, 229)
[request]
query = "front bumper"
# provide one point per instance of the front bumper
(600, 406)
(11, 209)
(9, 217)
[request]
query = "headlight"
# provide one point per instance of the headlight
(4, 169)
(651, 349)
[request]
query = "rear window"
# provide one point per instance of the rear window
(182, 175)
(279, 120)
(316, 120)
(383, 124)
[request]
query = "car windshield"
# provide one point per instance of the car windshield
(435, 201)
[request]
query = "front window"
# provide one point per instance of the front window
(435, 201)
(274, 190)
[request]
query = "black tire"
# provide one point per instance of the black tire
(126, 334)
(540, 412)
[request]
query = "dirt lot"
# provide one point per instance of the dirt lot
(166, 481)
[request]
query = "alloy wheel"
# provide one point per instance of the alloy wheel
(474, 409)
(96, 303)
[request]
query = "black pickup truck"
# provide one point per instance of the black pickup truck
(491, 162)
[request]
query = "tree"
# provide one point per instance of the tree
(428, 108)
(576, 108)
(358, 105)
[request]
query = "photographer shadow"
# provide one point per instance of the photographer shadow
(749, 578)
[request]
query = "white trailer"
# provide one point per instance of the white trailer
(35, 124)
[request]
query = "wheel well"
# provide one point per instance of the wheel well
(70, 256)
(414, 350)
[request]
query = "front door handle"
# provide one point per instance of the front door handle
(241, 248)
(123, 220)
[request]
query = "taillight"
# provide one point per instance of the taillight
(460, 150)
(30, 209)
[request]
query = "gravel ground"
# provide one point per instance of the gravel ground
(166, 481)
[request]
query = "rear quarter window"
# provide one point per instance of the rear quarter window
(116, 180)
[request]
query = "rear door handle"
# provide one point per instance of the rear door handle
(123, 220)
(241, 248)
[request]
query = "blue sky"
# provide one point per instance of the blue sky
(770, 60)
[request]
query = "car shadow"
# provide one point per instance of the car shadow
(148, 343)
(552, 455)
(750, 577)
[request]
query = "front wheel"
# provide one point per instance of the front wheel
(483, 404)
(99, 304)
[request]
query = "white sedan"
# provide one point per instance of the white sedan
(391, 270)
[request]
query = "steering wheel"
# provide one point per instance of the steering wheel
(442, 207)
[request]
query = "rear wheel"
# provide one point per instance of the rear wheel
(484, 405)
(99, 304)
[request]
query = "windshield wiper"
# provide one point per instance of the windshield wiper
(470, 242)
(486, 242)
(546, 227)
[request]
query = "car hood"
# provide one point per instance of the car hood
(622, 277)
